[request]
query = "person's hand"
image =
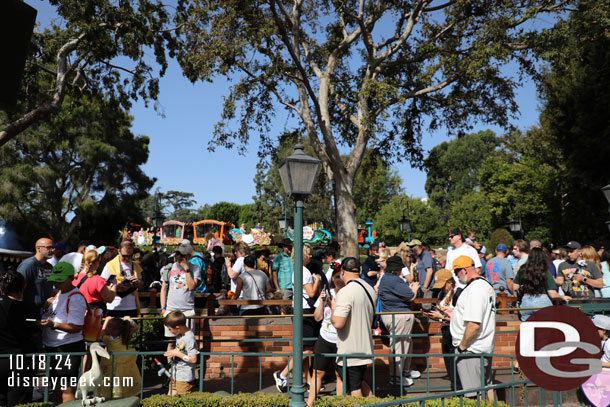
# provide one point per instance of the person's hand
(332, 303)
(435, 314)
(45, 323)
(414, 286)
(127, 318)
(566, 298)
(48, 302)
(578, 277)
(172, 353)
(323, 294)
(122, 287)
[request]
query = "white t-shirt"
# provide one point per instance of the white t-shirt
(239, 268)
(605, 351)
(128, 302)
(405, 271)
(464, 250)
(307, 279)
(327, 330)
(74, 258)
(57, 313)
(477, 303)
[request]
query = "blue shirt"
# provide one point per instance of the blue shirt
(282, 264)
(369, 265)
(394, 293)
(498, 269)
(424, 261)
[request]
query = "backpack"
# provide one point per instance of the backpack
(224, 277)
(92, 327)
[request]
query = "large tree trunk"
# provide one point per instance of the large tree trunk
(347, 229)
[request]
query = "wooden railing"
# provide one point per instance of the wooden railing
(504, 301)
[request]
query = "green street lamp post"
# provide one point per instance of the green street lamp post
(298, 173)
(405, 223)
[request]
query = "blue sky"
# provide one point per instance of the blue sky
(178, 142)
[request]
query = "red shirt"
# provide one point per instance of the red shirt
(92, 288)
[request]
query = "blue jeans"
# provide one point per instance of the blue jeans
(533, 301)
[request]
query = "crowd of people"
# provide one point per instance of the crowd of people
(46, 299)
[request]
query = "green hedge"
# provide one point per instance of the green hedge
(280, 400)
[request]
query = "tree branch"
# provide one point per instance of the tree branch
(44, 111)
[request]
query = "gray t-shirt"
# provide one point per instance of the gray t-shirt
(184, 371)
(253, 279)
(497, 270)
(37, 288)
(424, 262)
(577, 289)
(179, 297)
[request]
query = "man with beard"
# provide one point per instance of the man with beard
(473, 326)
(36, 270)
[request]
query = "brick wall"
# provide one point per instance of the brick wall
(233, 332)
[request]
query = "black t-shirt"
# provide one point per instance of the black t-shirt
(37, 288)
(15, 333)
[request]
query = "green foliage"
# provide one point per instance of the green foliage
(425, 224)
(576, 94)
(452, 167)
(499, 236)
(374, 186)
(350, 86)
(94, 47)
(77, 176)
(149, 332)
(213, 400)
(37, 404)
(225, 212)
(280, 400)
(472, 211)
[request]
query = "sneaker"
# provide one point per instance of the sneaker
(411, 374)
(406, 381)
(280, 384)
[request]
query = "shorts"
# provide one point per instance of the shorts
(355, 376)
(190, 322)
(65, 365)
(469, 371)
(286, 294)
(321, 362)
(311, 329)
(183, 387)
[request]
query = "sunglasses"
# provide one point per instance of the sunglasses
(126, 256)
(452, 236)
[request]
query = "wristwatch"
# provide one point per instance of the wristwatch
(584, 280)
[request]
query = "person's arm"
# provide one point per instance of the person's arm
(191, 283)
(268, 287)
(470, 334)
(593, 282)
(337, 321)
(372, 273)
(312, 289)
(62, 326)
(318, 313)
(132, 324)
(163, 296)
(277, 285)
(554, 295)
(239, 283)
(429, 275)
(232, 273)
(108, 293)
(510, 285)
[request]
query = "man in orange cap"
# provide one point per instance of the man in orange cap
(473, 325)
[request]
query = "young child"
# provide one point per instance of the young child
(117, 335)
(184, 356)
(602, 323)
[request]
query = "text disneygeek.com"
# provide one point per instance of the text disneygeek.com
(53, 383)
